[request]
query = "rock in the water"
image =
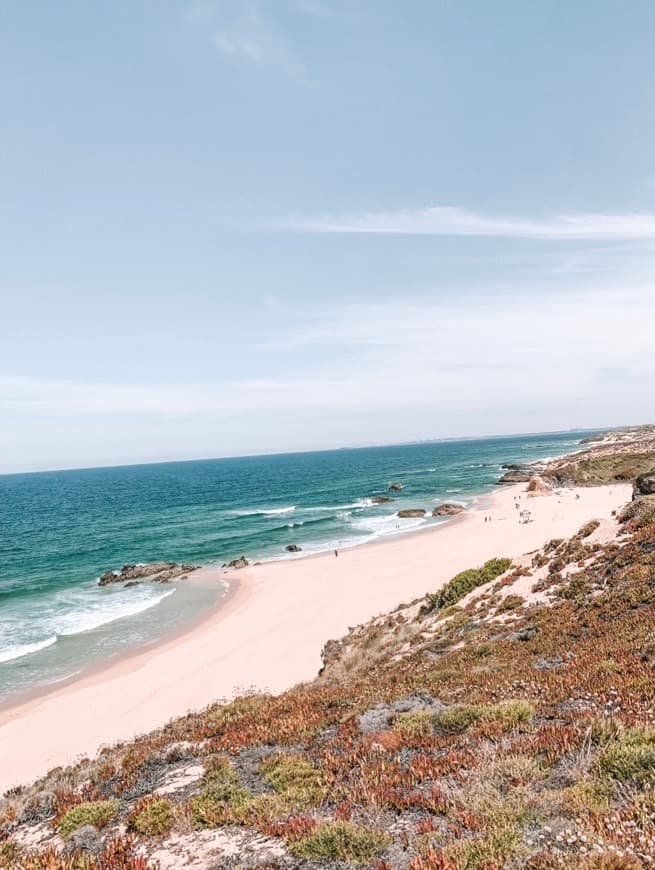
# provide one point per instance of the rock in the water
(381, 499)
(411, 512)
(517, 474)
(538, 486)
(238, 563)
(396, 487)
(293, 548)
(155, 572)
(448, 509)
(645, 484)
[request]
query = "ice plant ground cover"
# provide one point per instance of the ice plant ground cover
(514, 727)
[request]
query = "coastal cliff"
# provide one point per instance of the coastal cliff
(504, 719)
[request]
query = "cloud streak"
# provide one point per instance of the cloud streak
(361, 373)
(249, 39)
(452, 221)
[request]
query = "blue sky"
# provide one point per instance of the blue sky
(231, 227)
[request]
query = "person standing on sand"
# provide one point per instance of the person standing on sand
(336, 553)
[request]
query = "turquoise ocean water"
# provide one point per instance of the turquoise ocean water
(60, 530)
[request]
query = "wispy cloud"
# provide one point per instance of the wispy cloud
(362, 373)
(315, 8)
(452, 221)
(250, 39)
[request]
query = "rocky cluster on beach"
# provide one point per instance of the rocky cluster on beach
(241, 562)
(155, 572)
(516, 473)
(537, 485)
(448, 509)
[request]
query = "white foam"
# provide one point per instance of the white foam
(26, 649)
(388, 525)
(327, 508)
(265, 512)
(103, 613)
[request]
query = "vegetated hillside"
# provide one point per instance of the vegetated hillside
(506, 721)
(619, 455)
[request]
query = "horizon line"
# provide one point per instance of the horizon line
(412, 442)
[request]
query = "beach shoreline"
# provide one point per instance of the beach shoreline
(172, 635)
(268, 633)
(229, 579)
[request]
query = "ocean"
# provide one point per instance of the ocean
(60, 530)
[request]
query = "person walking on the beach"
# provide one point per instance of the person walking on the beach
(336, 553)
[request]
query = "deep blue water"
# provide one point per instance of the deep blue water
(60, 530)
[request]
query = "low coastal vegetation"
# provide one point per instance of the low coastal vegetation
(96, 813)
(506, 722)
(465, 582)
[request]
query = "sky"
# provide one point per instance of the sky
(230, 227)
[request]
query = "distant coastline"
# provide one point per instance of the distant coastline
(322, 510)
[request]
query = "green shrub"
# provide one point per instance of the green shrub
(464, 582)
(510, 602)
(494, 849)
(456, 719)
(417, 724)
(221, 804)
(96, 813)
(295, 778)
(223, 799)
(218, 770)
(460, 717)
(153, 815)
(629, 756)
(342, 841)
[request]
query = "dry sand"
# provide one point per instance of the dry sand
(270, 633)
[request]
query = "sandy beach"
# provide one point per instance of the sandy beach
(270, 632)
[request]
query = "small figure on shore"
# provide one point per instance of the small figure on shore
(336, 553)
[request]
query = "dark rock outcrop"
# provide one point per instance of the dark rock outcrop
(411, 512)
(644, 484)
(238, 563)
(396, 487)
(293, 548)
(448, 509)
(155, 572)
(516, 474)
(381, 499)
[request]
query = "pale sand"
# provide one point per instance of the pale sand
(271, 631)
